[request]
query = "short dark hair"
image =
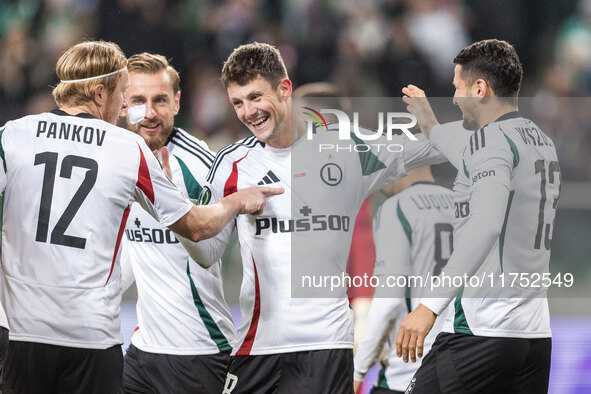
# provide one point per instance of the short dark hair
(496, 62)
(248, 61)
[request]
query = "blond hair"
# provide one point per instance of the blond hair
(86, 60)
(148, 63)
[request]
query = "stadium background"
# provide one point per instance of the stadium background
(368, 48)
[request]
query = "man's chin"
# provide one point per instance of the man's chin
(469, 124)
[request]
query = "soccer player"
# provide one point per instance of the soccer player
(413, 239)
(69, 177)
(506, 191)
(285, 344)
(182, 341)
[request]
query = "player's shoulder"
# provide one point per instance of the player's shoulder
(65, 125)
(25, 122)
(231, 153)
(188, 147)
(388, 209)
(504, 134)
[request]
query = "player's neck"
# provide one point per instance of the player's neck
(80, 109)
(288, 135)
(494, 111)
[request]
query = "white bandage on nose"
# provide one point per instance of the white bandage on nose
(136, 113)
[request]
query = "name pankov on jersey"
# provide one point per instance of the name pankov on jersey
(69, 182)
(311, 222)
(514, 152)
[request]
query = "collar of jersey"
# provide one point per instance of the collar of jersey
(509, 115)
(80, 115)
(171, 136)
(423, 183)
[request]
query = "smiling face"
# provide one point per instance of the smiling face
(465, 98)
(263, 109)
(162, 104)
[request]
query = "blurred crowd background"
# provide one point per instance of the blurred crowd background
(368, 48)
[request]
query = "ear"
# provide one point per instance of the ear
(481, 88)
(100, 94)
(285, 88)
(177, 102)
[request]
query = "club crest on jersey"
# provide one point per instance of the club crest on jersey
(205, 196)
(331, 174)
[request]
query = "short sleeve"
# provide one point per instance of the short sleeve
(155, 193)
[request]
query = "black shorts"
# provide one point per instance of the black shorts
(146, 372)
(459, 363)
(3, 347)
(311, 372)
(33, 368)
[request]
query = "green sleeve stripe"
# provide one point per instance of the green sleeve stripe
(193, 187)
(369, 161)
(2, 149)
(214, 331)
(407, 298)
(513, 150)
(460, 323)
(465, 169)
(404, 222)
(504, 228)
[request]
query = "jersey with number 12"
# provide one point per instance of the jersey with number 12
(69, 182)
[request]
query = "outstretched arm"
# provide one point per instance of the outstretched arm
(205, 221)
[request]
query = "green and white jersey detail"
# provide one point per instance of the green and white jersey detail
(413, 237)
(68, 183)
(274, 321)
(180, 305)
(511, 153)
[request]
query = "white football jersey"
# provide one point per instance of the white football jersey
(413, 238)
(68, 183)
(515, 153)
(180, 306)
(312, 222)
